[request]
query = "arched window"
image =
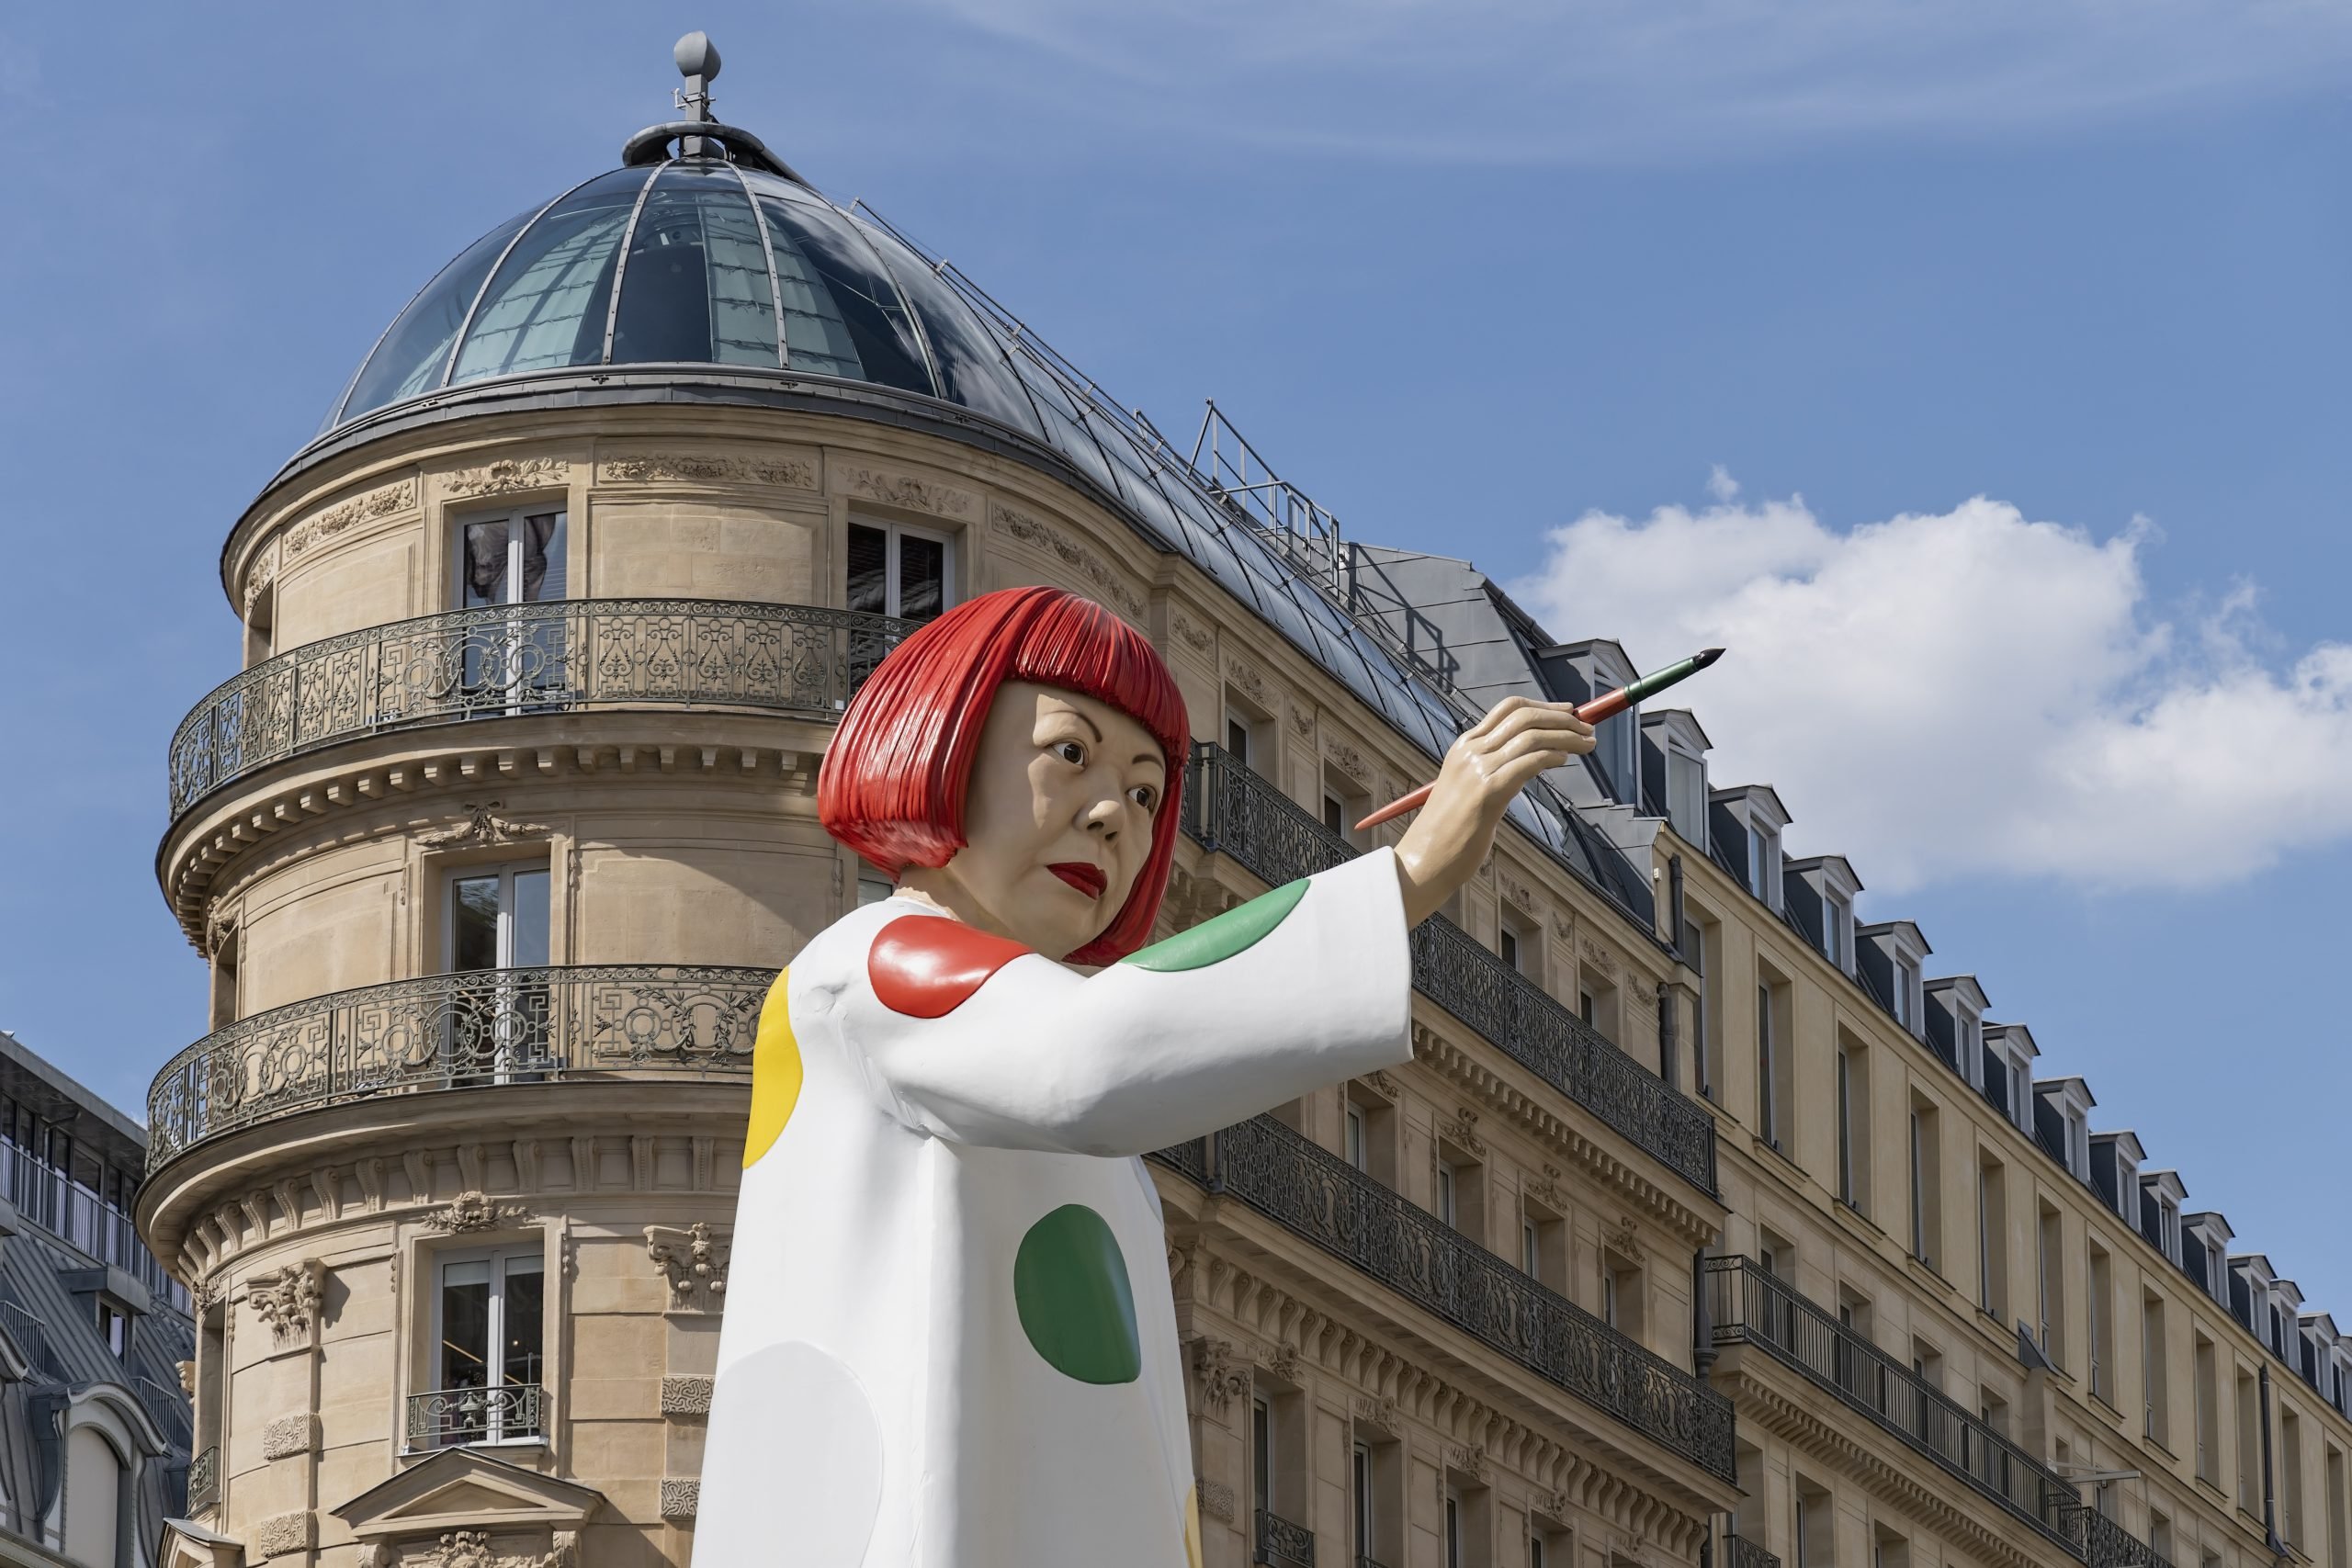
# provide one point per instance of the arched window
(94, 1499)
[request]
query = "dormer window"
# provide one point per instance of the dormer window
(1968, 1045)
(1686, 791)
(2078, 1145)
(1835, 918)
(2169, 1227)
(1907, 994)
(1764, 864)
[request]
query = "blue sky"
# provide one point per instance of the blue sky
(1684, 319)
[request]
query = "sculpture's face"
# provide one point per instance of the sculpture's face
(1057, 821)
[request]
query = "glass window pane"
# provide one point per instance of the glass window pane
(972, 369)
(547, 304)
(696, 288)
(843, 315)
(530, 948)
(922, 577)
(542, 539)
(473, 924)
(869, 586)
(416, 349)
(521, 1358)
(465, 1324)
(482, 569)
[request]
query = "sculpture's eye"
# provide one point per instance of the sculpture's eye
(1072, 752)
(1144, 795)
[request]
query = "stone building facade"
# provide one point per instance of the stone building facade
(494, 843)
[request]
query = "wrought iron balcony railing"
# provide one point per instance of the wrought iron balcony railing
(1281, 1544)
(2103, 1543)
(1749, 1306)
(1740, 1552)
(557, 656)
(489, 1026)
(509, 1413)
(1232, 809)
(1315, 1194)
(204, 1480)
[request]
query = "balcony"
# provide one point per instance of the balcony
(482, 1028)
(561, 656)
(2103, 1543)
(1281, 1544)
(1232, 810)
(204, 1481)
(1315, 1195)
(447, 1417)
(1740, 1552)
(1749, 1306)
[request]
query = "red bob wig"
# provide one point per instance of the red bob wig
(893, 782)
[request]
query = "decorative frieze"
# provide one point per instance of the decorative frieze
(1194, 637)
(694, 1262)
(900, 489)
(1105, 579)
(383, 502)
(1625, 1240)
(287, 1299)
(680, 1499)
(1245, 677)
(1281, 1360)
(509, 475)
(684, 1395)
(473, 1211)
(710, 468)
(259, 576)
(1346, 758)
(289, 1436)
(1600, 957)
(1470, 1460)
(1463, 1133)
(484, 827)
(1302, 721)
(1378, 1413)
(283, 1533)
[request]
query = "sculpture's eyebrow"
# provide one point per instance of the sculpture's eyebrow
(1080, 713)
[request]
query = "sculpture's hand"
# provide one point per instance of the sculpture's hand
(1492, 761)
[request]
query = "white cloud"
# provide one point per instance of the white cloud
(1972, 692)
(1615, 79)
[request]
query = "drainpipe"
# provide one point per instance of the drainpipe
(2269, 1497)
(1674, 902)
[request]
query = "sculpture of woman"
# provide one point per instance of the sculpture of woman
(950, 1340)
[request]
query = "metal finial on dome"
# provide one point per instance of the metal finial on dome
(697, 62)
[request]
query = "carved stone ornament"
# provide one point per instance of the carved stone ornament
(485, 827)
(263, 570)
(1105, 579)
(1248, 679)
(475, 1212)
(383, 502)
(685, 1395)
(1221, 1378)
(915, 495)
(283, 1533)
(220, 927)
(208, 1293)
(186, 1371)
(1380, 1413)
(1544, 1191)
(287, 1299)
(1216, 1500)
(711, 468)
(289, 1436)
(1463, 1133)
(1301, 720)
(1552, 1506)
(1346, 758)
(509, 474)
(1599, 957)
(1282, 1361)
(1382, 1084)
(1469, 1458)
(1563, 925)
(1517, 892)
(1625, 1240)
(680, 1499)
(1195, 638)
(695, 1259)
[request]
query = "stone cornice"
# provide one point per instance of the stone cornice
(1573, 1461)
(1784, 1403)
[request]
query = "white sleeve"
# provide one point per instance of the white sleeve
(1145, 1053)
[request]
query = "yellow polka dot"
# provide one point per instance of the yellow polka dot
(1192, 1527)
(775, 1074)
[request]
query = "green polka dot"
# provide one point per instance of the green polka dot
(1215, 941)
(1069, 1282)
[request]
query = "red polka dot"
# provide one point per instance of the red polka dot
(924, 966)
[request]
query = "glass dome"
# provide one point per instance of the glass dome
(699, 261)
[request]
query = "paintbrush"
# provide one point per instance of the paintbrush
(1593, 712)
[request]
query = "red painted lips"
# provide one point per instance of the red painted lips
(1087, 879)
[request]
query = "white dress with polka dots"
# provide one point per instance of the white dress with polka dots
(949, 1339)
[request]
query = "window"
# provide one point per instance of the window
(871, 887)
(1262, 1453)
(2050, 1298)
(1335, 819)
(1968, 1045)
(2290, 1476)
(898, 570)
(2339, 1550)
(516, 559)
(1768, 1120)
(1353, 1136)
(490, 1326)
(2249, 1446)
(1853, 1125)
(1447, 1179)
(1701, 947)
(2101, 1325)
(2209, 1396)
(1814, 1522)
(1686, 792)
(1834, 918)
(1621, 1295)
(1764, 864)
(1927, 1207)
(1452, 1526)
(1507, 945)
(114, 1328)
(1531, 1248)
(497, 927)
(1907, 994)
(1360, 1491)
(94, 1499)
(1585, 1008)
(1992, 1238)
(1237, 738)
(498, 919)
(2153, 1392)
